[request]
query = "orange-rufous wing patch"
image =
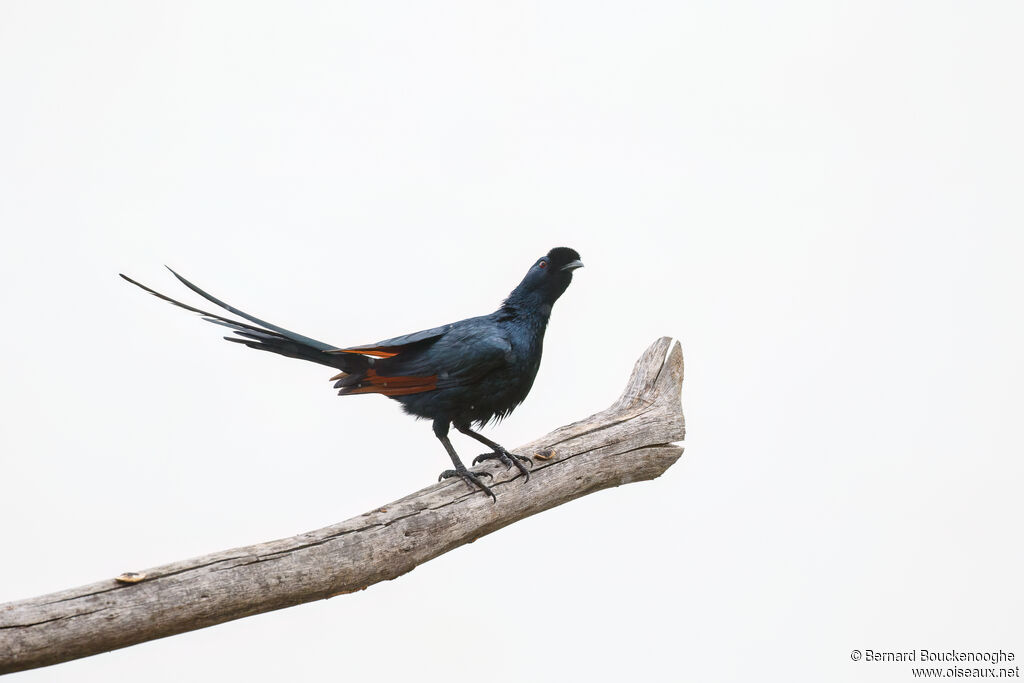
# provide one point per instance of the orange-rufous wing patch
(375, 351)
(372, 383)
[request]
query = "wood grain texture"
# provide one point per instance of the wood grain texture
(630, 441)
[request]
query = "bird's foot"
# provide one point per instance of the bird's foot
(470, 478)
(510, 460)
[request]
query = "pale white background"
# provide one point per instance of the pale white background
(822, 201)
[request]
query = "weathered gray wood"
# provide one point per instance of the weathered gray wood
(630, 441)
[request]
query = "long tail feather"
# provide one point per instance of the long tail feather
(262, 335)
(294, 336)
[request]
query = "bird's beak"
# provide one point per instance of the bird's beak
(572, 265)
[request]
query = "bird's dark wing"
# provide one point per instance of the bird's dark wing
(395, 345)
(454, 355)
(469, 351)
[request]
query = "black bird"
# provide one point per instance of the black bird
(466, 372)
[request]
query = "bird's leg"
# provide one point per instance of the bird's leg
(441, 432)
(499, 452)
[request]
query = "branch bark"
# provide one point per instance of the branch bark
(630, 441)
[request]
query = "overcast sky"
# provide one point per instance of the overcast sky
(822, 201)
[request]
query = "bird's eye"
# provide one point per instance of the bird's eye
(542, 264)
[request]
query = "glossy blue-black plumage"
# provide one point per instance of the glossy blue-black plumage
(470, 371)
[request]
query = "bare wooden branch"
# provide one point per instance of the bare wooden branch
(630, 441)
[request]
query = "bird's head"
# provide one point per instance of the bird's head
(548, 278)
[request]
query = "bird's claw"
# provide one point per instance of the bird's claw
(510, 460)
(470, 478)
(448, 474)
